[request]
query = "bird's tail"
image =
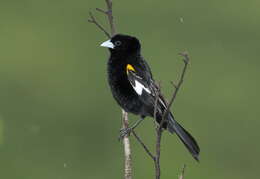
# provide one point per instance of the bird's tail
(185, 136)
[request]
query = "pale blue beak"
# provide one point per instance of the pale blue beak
(108, 44)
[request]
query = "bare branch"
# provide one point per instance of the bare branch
(177, 87)
(109, 14)
(173, 84)
(102, 11)
(182, 172)
(159, 132)
(143, 145)
(110, 17)
(127, 148)
(156, 100)
(159, 129)
(158, 137)
(94, 21)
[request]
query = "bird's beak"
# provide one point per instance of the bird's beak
(107, 44)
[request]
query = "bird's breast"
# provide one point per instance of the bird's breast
(122, 90)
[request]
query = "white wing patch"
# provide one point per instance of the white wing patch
(139, 87)
(162, 103)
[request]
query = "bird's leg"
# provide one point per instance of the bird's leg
(126, 131)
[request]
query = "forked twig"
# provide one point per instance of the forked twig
(159, 129)
(186, 61)
(126, 141)
(93, 20)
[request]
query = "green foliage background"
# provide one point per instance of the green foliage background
(59, 121)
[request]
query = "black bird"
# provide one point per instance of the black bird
(134, 89)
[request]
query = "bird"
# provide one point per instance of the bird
(134, 89)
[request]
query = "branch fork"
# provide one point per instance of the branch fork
(126, 141)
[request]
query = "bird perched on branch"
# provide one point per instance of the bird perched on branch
(134, 89)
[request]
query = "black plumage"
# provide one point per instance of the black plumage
(134, 89)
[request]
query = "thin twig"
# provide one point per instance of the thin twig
(157, 94)
(94, 21)
(186, 61)
(110, 17)
(158, 137)
(101, 10)
(143, 145)
(182, 172)
(159, 129)
(159, 132)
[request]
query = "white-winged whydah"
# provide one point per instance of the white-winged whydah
(134, 89)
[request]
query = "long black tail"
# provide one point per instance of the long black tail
(185, 136)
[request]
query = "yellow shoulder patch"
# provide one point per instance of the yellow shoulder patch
(129, 68)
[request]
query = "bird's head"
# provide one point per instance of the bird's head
(122, 44)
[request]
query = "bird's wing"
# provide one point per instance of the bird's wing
(142, 82)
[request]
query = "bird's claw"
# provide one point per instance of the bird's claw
(123, 132)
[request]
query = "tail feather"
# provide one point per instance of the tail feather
(185, 137)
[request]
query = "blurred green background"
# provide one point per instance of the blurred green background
(58, 119)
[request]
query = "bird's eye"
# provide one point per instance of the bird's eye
(118, 43)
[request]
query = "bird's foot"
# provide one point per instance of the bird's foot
(124, 132)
